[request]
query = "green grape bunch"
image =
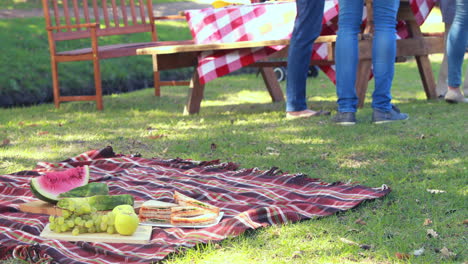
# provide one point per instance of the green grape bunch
(80, 223)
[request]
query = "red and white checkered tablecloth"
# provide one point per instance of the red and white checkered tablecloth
(263, 21)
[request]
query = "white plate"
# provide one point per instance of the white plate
(220, 216)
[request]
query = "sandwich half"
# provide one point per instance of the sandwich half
(184, 200)
(156, 211)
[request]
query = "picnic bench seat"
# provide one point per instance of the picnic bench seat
(178, 56)
(92, 19)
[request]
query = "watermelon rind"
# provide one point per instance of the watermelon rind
(50, 194)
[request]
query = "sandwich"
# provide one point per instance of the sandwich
(185, 212)
(184, 200)
(156, 212)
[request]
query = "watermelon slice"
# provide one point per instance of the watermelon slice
(48, 187)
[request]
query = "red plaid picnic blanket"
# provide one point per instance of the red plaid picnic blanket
(265, 21)
(249, 198)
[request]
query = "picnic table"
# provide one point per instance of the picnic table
(269, 26)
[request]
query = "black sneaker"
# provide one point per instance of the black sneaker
(345, 118)
(381, 117)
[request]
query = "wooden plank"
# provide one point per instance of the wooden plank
(221, 46)
(40, 207)
(212, 46)
(195, 95)
(141, 236)
(272, 85)
(362, 80)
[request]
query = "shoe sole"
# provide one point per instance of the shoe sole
(388, 121)
(450, 101)
(345, 123)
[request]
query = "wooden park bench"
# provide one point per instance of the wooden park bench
(91, 19)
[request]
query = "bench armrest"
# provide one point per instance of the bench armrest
(88, 25)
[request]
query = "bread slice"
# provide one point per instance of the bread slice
(200, 220)
(184, 200)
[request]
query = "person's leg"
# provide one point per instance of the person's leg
(346, 53)
(307, 28)
(456, 47)
(383, 61)
(441, 87)
(384, 52)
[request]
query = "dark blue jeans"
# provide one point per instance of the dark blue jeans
(457, 41)
(307, 28)
(383, 52)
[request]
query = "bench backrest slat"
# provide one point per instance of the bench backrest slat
(76, 10)
(114, 17)
(86, 11)
(123, 7)
(132, 7)
(105, 12)
(66, 13)
(115, 11)
(142, 12)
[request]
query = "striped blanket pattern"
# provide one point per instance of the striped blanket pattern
(249, 198)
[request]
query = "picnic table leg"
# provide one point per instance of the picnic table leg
(424, 64)
(362, 80)
(195, 95)
(272, 84)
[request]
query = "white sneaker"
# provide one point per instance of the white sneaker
(455, 96)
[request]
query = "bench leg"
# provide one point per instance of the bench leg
(195, 95)
(272, 85)
(55, 83)
(157, 83)
(427, 76)
(362, 80)
(98, 83)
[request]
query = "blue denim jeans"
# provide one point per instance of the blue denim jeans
(457, 41)
(307, 28)
(383, 53)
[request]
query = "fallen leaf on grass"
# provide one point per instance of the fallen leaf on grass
(418, 252)
(298, 254)
(350, 242)
(33, 125)
(5, 142)
(447, 253)
(432, 233)
(272, 151)
(213, 146)
(156, 136)
(435, 191)
(465, 222)
(41, 133)
(360, 222)
(427, 222)
(402, 255)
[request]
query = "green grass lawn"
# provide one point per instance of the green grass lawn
(428, 151)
